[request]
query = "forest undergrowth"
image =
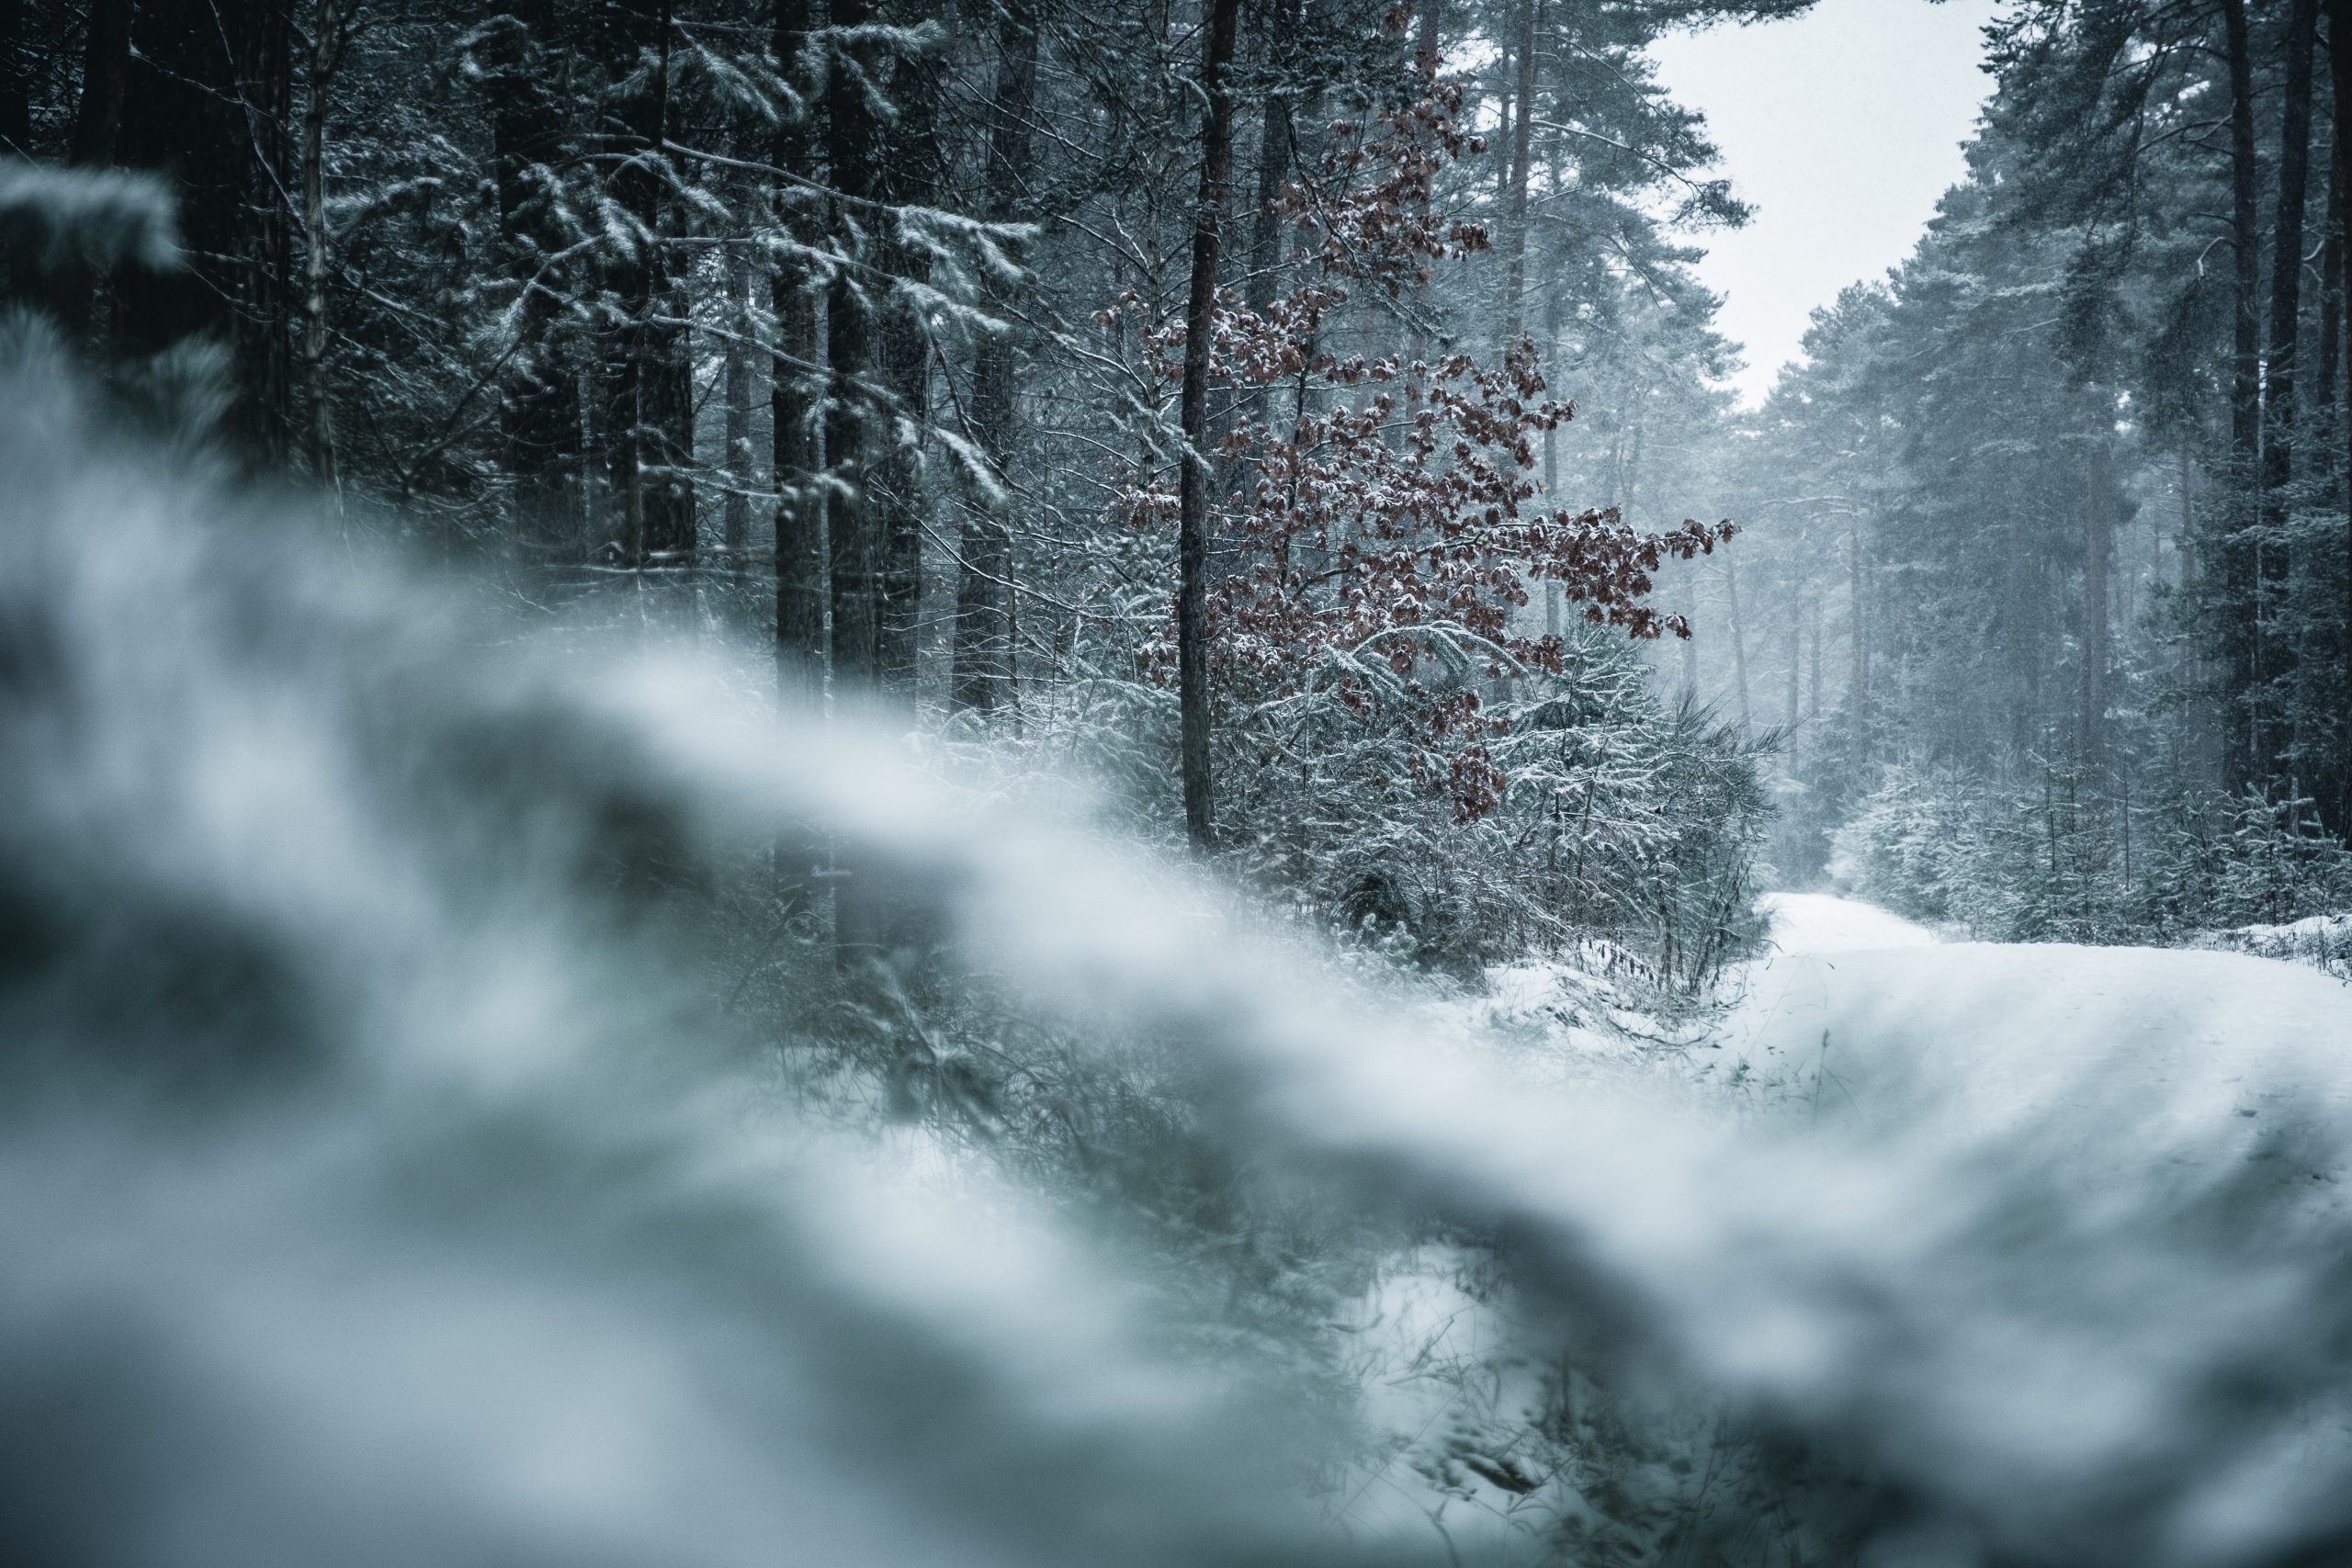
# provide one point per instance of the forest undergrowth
(2055, 863)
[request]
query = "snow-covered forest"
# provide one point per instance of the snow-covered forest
(991, 781)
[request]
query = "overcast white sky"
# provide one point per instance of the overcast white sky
(1842, 127)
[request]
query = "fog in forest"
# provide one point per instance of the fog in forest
(846, 782)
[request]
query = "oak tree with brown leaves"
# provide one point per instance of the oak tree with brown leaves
(1390, 524)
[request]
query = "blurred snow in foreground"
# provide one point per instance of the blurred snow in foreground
(387, 1185)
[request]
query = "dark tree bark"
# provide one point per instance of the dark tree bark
(1523, 146)
(1506, 100)
(982, 673)
(735, 512)
(205, 101)
(2021, 629)
(1273, 161)
(2324, 373)
(2240, 609)
(70, 289)
(2339, 65)
(2098, 536)
(1192, 499)
(325, 60)
(803, 564)
(16, 82)
(1858, 684)
(2332, 789)
(803, 571)
(106, 64)
(1792, 710)
(913, 174)
(523, 60)
(1262, 275)
(1813, 616)
(1738, 641)
(1556, 597)
(2273, 648)
(264, 338)
(1427, 56)
(853, 149)
(652, 408)
(1687, 649)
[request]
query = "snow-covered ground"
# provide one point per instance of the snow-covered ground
(2013, 1204)
(2145, 1058)
(1823, 922)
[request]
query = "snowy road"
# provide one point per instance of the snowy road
(1823, 922)
(2109, 1059)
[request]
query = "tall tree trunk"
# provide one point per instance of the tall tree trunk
(2184, 543)
(742, 472)
(1813, 702)
(2020, 625)
(2334, 790)
(913, 174)
(803, 569)
(525, 63)
(1506, 79)
(803, 563)
(1555, 592)
(2098, 536)
(207, 98)
(1426, 58)
(1858, 700)
(982, 673)
(2339, 64)
(852, 152)
(326, 56)
(97, 127)
(653, 405)
(16, 86)
(856, 405)
(1738, 642)
(1262, 275)
(1522, 147)
(266, 303)
(1273, 163)
(2276, 649)
(2237, 578)
(1192, 499)
(671, 514)
(1796, 670)
(2325, 374)
(106, 64)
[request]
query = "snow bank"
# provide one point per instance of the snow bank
(2322, 942)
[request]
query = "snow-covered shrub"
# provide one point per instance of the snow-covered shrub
(1615, 815)
(2322, 942)
(2054, 861)
(1909, 843)
(2277, 864)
